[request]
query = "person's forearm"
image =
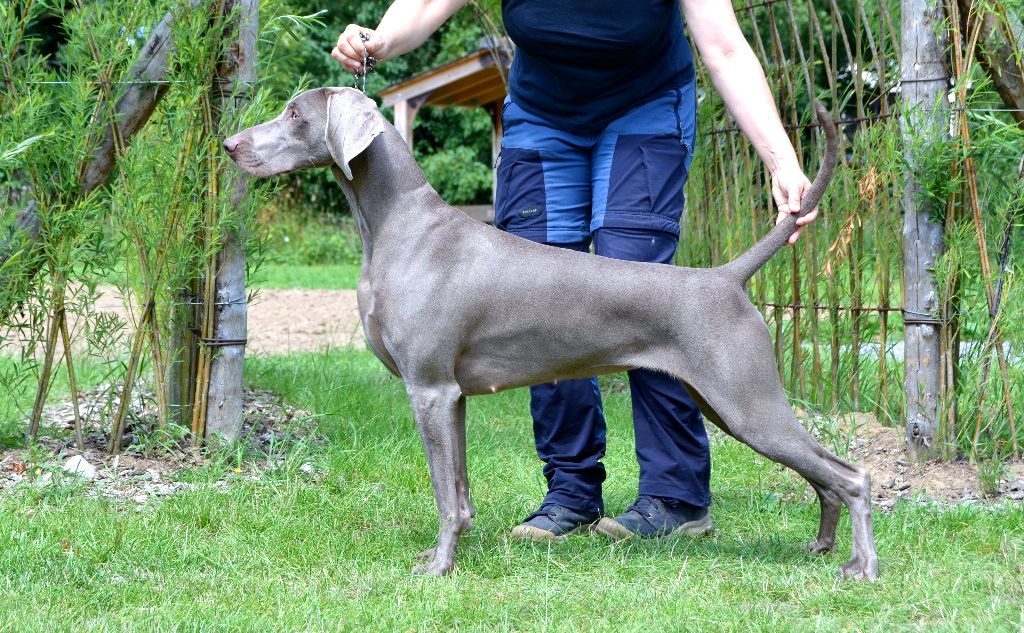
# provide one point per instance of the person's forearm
(408, 23)
(739, 78)
(737, 75)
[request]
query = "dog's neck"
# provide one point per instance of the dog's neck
(387, 187)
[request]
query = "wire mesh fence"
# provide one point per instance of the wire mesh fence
(834, 302)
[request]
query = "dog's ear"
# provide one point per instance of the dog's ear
(352, 123)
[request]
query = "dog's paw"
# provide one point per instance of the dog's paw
(426, 555)
(818, 547)
(431, 568)
(860, 570)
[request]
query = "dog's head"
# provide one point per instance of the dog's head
(316, 128)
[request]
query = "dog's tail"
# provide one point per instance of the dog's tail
(743, 267)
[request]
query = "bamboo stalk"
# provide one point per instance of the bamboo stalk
(117, 426)
(209, 299)
(883, 288)
(760, 290)
(778, 282)
(72, 385)
(864, 25)
(816, 35)
(826, 59)
(994, 341)
(723, 244)
(858, 63)
(1004, 257)
(796, 362)
(856, 282)
(758, 41)
(1008, 401)
(833, 295)
(857, 243)
(816, 386)
(798, 45)
(894, 40)
(43, 388)
(837, 17)
(994, 338)
(991, 342)
(723, 189)
(159, 371)
(780, 57)
(949, 333)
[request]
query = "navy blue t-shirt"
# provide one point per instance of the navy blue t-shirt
(580, 65)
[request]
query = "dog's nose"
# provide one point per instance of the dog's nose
(231, 144)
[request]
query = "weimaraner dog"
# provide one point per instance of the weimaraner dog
(457, 308)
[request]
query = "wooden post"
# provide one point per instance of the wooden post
(232, 88)
(403, 121)
(925, 82)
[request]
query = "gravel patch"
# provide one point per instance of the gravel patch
(153, 461)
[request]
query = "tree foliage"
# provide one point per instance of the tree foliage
(453, 145)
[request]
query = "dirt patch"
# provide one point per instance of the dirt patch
(153, 460)
(280, 321)
(286, 321)
(881, 450)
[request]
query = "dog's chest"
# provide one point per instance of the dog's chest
(371, 326)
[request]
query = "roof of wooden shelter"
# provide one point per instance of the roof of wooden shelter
(471, 80)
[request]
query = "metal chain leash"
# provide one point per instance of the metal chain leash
(369, 63)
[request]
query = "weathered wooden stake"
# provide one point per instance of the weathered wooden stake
(235, 77)
(925, 80)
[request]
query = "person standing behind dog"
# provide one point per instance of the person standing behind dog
(599, 130)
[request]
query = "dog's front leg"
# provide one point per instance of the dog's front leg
(438, 409)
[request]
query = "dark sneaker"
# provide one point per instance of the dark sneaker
(653, 517)
(552, 522)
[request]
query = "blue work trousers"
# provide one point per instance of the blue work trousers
(622, 190)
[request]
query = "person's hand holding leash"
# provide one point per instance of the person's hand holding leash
(349, 49)
(405, 25)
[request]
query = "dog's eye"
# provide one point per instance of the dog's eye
(294, 114)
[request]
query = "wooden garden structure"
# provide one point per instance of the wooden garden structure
(478, 79)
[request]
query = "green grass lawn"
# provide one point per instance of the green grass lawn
(307, 277)
(290, 553)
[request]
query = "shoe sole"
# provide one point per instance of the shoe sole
(531, 533)
(612, 529)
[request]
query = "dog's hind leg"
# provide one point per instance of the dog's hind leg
(754, 409)
(831, 505)
(440, 415)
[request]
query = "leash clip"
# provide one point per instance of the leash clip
(369, 64)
